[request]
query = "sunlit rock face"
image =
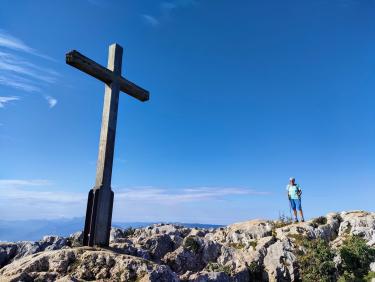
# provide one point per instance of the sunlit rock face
(256, 250)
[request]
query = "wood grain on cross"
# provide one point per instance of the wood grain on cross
(100, 200)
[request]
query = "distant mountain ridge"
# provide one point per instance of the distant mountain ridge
(33, 230)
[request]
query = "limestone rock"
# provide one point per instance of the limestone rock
(86, 264)
(280, 261)
(210, 276)
(256, 250)
(116, 233)
(358, 223)
(76, 239)
(159, 245)
(7, 252)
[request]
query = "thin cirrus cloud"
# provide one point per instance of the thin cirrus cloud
(23, 74)
(129, 194)
(11, 42)
(5, 100)
(151, 20)
(25, 195)
(184, 195)
(12, 183)
(166, 9)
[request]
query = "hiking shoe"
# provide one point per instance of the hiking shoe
(296, 220)
(303, 220)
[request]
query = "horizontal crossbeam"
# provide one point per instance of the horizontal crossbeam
(81, 62)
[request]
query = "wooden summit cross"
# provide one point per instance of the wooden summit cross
(100, 199)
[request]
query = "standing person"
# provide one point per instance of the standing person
(294, 192)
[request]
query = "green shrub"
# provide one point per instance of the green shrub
(315, 260)
(356, 257)
(191, 244)
(256, 270)
(129, 232)
(298, 239)
(216, 267)
(274, 233)
(369, 276)
(348, 229)
(253, 244)
(237, 246)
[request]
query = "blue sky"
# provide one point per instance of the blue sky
(244, 94)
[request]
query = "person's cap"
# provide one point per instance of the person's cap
(291, 178)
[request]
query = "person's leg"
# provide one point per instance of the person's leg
(301, 213)
(299, 206)
(293, 206)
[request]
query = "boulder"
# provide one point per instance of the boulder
(280, 261)
(209, 276)
(194, 254)
(85, 264)
(7, 252)
(158, 246)
(358, 223)
(115, 234)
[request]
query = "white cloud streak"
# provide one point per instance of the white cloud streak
(184, 195)
(18, 82)
(21, 74)
(51, 101)
(41, 199)
(150, 20)
(19, 66)
(13, 183)
(10, 42)
(19, 189)
(4, 100)
(166, 9)
(44, 197)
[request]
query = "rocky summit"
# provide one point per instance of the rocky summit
(257, 250)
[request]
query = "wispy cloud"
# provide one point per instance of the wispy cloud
(11, 42)
(166, 9)
(23, 75)
(51, 101)
(130, 194)
(5, 100)
(170, 6)
(184, 195)
(20, 73)
(12, 183)
(150, 20)
(42, 199)
(18, 82)
(19, 66)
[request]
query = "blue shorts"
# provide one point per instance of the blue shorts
(295, 204)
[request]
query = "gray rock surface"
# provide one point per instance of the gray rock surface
(85, 264)
(256, 250)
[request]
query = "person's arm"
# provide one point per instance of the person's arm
(299, 191)
(287, 191)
